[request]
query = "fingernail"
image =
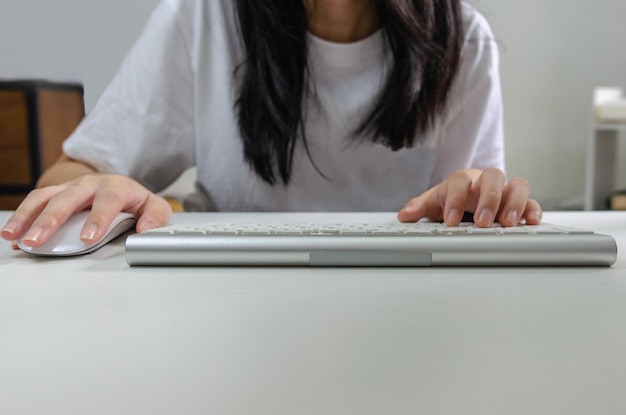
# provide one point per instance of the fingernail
(512, 217)
(34, 234)
(535, 215)
(89, 233)
(486, 216)
(410, 208)
(148, 226)
(10, 227)
(454, 216)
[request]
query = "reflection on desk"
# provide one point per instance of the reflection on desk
(90, 335)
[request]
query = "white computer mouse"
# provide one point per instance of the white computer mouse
(66, 240)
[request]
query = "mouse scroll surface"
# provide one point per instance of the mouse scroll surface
(66, 240)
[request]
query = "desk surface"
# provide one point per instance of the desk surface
(89, 335)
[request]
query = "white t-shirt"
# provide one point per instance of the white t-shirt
(171, 107)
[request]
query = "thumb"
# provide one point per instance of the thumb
(425, 205)
(155, 213)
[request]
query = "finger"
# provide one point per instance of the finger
(31, 207)
(489, 187)
(152, 211)
(533, 213)
(116, 194)
(514, 200)
(422, 206)
(455, 198)
(73, 197)
(108, 201)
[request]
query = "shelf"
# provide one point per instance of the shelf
(610, 127)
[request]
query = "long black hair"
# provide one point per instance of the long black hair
(423, 36)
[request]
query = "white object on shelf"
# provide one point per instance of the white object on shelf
(609, 105)
(608, 123)
(612, 112)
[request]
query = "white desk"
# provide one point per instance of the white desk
(90, 335)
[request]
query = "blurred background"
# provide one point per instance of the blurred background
(553, 55)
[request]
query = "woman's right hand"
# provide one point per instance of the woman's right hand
(45, 209)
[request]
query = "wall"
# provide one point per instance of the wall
(69, 40)
(553, 54)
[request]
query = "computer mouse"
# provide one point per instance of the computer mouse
(66, 240)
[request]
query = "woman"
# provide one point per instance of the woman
(295, 105)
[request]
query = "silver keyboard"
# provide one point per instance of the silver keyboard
(360, 229)
(368, 244)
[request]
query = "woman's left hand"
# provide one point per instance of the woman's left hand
(485, 193)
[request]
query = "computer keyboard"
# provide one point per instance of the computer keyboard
(360, 229)
(368, 244)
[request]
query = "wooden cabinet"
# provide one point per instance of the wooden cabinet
(35, 118)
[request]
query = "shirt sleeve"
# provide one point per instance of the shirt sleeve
(472, 130)
(143, 125)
